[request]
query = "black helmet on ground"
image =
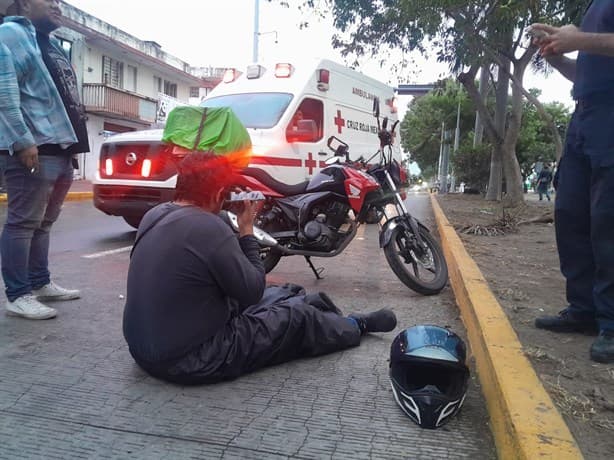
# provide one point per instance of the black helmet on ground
(428, 373)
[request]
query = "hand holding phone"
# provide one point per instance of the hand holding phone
(536, 34)
(246, 195)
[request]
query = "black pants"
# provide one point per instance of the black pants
(286, 324)
(584, 212)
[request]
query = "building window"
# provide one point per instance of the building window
(112, 72)
(157, 84)
(130, 78)
(194, 91)
(66, 46)
(170, 89)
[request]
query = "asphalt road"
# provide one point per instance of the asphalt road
(69, 388)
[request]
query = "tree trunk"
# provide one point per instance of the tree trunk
(495, 181)
(513, 176)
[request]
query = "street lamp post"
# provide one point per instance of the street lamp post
(256, 30)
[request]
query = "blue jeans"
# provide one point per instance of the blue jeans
(543, 190)
(34, 204)
(584, 213)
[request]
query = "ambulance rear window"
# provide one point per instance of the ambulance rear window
(255, 110)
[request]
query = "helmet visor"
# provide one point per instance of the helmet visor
(433, 342)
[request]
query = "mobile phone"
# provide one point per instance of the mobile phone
(536, 33)
(241, 196)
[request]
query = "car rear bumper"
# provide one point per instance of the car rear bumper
(126, 200)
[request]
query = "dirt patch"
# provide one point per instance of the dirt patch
(518, 258)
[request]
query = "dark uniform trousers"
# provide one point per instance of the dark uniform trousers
(584, 210)
(286, 324)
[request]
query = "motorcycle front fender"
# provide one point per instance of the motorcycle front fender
(385, 233)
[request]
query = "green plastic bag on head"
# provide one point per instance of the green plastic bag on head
(221, 132)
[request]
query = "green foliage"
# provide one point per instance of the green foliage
(472, 165)
(455, 28)
(535, 138)
(421, 127)
(421, 134)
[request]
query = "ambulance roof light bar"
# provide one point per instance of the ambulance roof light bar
(283, 70)
(254, 71)
(230, 75)
(323, 79)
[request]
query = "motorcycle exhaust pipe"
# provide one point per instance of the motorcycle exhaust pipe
(263, 237)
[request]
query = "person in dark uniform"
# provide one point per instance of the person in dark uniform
(197, 310)
(543, 182)
(584, 205)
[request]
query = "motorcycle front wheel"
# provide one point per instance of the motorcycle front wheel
(422, 269)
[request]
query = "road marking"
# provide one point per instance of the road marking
(360, 233)
(96, 255)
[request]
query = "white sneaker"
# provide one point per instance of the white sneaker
(52, 291)
(27, 306)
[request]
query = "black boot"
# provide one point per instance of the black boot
(566, 321)
(383, 320)
(602, 349)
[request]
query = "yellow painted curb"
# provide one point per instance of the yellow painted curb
(524, 420)
(77, 196)
(72, 196)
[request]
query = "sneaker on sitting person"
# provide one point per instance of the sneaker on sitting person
(602, 350)
(383, 320)
(27, 306)
(52, 291)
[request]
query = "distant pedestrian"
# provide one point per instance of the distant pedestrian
(584, 209)
(42, 125)
(543, 182)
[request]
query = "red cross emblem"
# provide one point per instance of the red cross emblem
(340, 122)
(310, 163)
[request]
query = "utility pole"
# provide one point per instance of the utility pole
(456, 141)
(256, 30)
(439, 163)
(443, 188)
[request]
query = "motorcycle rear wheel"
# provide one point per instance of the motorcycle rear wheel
(427, 273)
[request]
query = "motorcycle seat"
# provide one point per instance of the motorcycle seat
(279, 187)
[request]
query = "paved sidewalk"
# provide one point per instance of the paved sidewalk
(69, 388)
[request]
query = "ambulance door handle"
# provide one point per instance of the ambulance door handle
(323, 154)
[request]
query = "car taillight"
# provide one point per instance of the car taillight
(146, 168)
(108, 167)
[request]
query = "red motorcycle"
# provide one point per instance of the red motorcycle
(320, 217)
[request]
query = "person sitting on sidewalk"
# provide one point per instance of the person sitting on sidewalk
(197, 310)
(543, 182)
(42, 125)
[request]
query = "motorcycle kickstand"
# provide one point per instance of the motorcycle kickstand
(316, 271)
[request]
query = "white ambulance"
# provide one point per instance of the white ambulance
(290, 111)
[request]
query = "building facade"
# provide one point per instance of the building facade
(126, 84)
